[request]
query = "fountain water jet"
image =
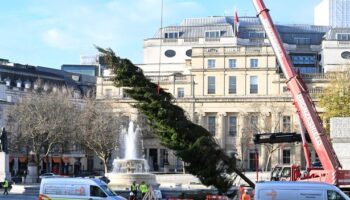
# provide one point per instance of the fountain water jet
(131, 167)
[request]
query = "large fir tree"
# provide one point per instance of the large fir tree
(192, 143)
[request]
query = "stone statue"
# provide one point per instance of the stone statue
(3, 139)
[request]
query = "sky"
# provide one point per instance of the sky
(50, 33)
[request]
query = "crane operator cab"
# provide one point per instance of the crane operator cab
(285, 173)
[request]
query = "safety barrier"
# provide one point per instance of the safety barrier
(216, 197)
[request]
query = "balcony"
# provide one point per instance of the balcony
(317, 76)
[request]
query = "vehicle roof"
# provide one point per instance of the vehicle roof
(294, 185)
(72, 180)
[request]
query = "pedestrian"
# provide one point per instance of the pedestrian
(245, 195)
(132, 196)
(6, 186)
(143, 188)
(133, 188)
(25, 175)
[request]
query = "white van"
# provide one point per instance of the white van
(75, 188)
(283, 190)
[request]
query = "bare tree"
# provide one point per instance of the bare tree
(41, 121)
(261, 121)
(99, 130)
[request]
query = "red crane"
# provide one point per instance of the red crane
(331, 171)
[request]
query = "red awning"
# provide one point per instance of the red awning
(66, 159)
(56, 159)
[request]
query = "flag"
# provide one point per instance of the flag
(236, 25)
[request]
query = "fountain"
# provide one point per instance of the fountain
(132, 167)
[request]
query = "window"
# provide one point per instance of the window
(107, 190)
(211, 125)
(180, 92)
(345, 55)
(169, 53)
(253, 63)
(254, 123)
(96, 192)
(171, 35)
(286, 156)
(211, 63)
(189, 53)
(286, 124)
(211, 84)
(125, 95)
(343, 36)
(212, 34)
(232, 63)
(232, 122)
(253, 85)
(254, 35)
(304, 60)
(252, 160)
(232, 85)
(302, 41)
(333, 195)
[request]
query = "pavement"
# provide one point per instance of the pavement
(19, 197)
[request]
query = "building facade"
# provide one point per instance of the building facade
(335, 13)
(336, 50)
(228, 82)
(16, 81)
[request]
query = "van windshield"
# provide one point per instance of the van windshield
(107, 190)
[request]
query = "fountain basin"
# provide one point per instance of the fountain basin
(124, 180)
(126, 171)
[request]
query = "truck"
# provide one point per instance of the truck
(284, 190)
(331, 171)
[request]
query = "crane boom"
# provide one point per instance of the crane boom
(304, 105)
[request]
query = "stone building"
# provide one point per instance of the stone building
(16, 81)
(229, 82)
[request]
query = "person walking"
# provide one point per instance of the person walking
(6, 186)
(133, 188)
(245, 195)
(143, 188)
(132, 196)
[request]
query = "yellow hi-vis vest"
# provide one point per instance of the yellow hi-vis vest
(143, 188)
(6, 184)
(133, 187)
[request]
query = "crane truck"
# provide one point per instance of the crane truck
(331, 170)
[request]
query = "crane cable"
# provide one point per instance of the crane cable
(160, 47)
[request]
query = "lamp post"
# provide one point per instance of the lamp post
(257, 163)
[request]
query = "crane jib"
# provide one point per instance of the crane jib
(308, 119)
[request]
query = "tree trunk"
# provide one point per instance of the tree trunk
(105, 165)
(268, 161)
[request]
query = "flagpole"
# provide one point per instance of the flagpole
(160, 46)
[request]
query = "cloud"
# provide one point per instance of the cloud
(58, 39)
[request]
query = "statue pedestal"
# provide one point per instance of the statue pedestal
(340, 129)
(32, 176)
(4, 167)
(166, 168)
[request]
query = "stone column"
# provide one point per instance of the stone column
(158, 158)
(15, 164)
(242, 148)
(222, 130)
(202, 119)
(32, 175)
(4, 167)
